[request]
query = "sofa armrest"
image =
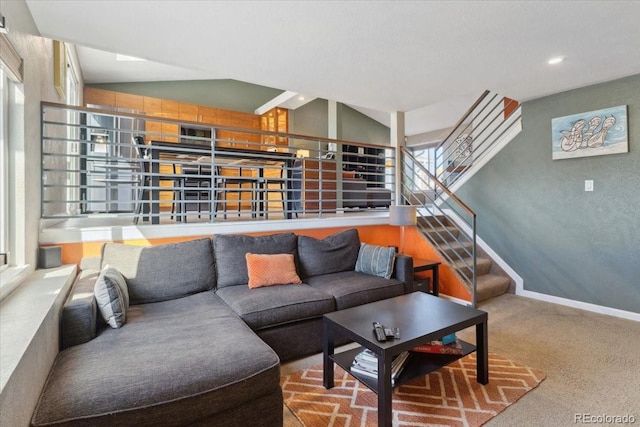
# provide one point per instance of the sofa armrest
(79, 314)
(403, 271)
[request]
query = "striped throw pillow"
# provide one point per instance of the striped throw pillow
(375, 260)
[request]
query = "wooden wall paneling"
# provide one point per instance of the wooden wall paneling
(129, 101)
(188, 112)
(311, 185)
(170, 110)
(99, 97)
(273, 192)
(242, 120)
(224, 118)
(208, 115)
(153, 107)
(166, 197)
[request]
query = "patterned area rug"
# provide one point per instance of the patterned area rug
(450, 396)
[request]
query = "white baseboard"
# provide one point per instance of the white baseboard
(454, 299)
(539, 296)
(629, 315)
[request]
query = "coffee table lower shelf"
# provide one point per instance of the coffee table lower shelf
(419, 364)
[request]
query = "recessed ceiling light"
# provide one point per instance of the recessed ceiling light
(301, 98)
(556, 60)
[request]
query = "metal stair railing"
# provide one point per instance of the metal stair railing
(422, 189)
(482, 126)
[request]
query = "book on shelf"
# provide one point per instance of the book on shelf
(449, 339)
(367, 355)
(437, 347)
(366, 363)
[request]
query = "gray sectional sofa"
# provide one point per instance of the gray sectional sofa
(199, 346)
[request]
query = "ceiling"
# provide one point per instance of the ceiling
(430, 59)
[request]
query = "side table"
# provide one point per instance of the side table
(428, 265)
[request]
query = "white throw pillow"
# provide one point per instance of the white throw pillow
(112, 296)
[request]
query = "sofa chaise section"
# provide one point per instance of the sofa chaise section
(178, 360)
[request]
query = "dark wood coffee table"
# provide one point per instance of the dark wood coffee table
(421, 318)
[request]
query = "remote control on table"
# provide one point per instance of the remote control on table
(389, 333)
(379, 332)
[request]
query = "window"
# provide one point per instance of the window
(427, 158)
(73, 135)
(11, 95)
(4, 170)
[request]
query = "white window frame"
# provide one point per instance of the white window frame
(427, 158)
(5, 218)
(73, 134)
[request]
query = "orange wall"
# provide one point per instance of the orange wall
(384, 235)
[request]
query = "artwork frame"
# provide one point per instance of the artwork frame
(592, 133)
(60, 68)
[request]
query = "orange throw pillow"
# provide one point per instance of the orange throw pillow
(269, 270)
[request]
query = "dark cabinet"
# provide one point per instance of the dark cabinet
(366, 162)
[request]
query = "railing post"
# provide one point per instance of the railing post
(398, 141)
(475, 262)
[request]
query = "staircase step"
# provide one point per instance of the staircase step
(483, 265)
(435, 220)
(440, 234)
(491, 285)
(456, 249)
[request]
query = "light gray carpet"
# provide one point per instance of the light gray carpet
(592, 361)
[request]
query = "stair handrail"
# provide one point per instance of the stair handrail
(438, 183)
(464, 117)
(409, 189)
(482, 126)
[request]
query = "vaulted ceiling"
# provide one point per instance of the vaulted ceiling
(420, 57)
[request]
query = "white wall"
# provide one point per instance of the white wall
(37, 53)
(23, 380)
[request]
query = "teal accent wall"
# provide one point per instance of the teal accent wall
(355, 126)
(310, 119)
(227, 94)
(313, 119)
(534, 212)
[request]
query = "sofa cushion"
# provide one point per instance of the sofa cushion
(163, 272)
(230, 250)
(275, 305)
(375, 260)
(271, 269)
(112, 296)
(332, 254)
(351, 288)
(174, 363)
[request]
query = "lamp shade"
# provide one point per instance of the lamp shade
(402, 215)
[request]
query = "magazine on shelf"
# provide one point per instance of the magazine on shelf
(367, 355)
(364, 364)
(437, 347)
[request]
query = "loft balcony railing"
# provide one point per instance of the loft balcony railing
(151, 170)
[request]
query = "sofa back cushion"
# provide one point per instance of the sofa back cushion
(332, 254)
(230, 251)
(163, 272)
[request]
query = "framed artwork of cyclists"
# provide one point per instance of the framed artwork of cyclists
(594, 133)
